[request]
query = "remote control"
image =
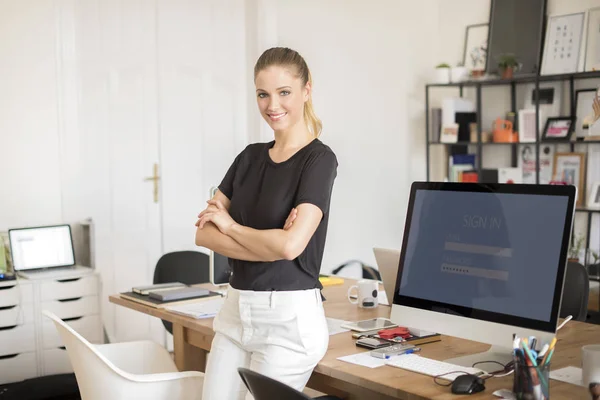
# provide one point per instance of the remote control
(394, 350)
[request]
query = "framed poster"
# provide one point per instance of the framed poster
(570, 169)
(594, 200)
(562, 44)
(527, 162)
(592, 51)
(558, 129)
(475, 51)
(584, 111)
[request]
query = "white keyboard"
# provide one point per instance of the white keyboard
(427, 366)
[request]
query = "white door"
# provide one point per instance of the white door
(128, 33)
(202, 110)
(163, 82)
(202, 86)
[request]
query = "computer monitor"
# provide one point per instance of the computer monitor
(483, 262)
(41, 247)
(219, 269)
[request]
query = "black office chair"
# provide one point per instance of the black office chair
(264, 388)
(189, 267)
(576, 291)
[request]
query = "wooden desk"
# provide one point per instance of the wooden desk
(192, 339)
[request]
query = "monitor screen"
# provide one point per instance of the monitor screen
(220, 269)
(516, 27)
(486, 255)
(43, 247)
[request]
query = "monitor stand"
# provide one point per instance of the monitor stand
(502, 355)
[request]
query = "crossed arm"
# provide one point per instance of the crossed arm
(220, 233)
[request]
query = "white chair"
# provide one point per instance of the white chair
(130, 370)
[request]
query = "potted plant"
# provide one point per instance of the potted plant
(459, 73)
(507, 63)
(442, 73)
(593, 262)
(575, 249)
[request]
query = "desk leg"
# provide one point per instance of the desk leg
(187, 357)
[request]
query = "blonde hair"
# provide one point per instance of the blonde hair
(285, 57)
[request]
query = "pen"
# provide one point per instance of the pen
(544, 350)
(407, 351)
(550, 350)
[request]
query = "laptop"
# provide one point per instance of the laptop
(44, 252)
(388, 261)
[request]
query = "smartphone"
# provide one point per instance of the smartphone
(370, 325)
(373, 343)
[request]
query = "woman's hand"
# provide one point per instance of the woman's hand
(290, 219)
(207, 209)
(218, 215)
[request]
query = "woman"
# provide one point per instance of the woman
(270, 218)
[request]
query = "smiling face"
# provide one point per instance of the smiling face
(280, 95)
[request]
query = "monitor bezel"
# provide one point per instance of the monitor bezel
(478, 314)
(42, 227)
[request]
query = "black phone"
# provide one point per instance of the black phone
(373, 343)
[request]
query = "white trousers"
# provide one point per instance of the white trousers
(282, 335)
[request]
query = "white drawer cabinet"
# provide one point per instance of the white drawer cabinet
(73, 308)
(30, 345)
(15, 292)
(69, 288)
(17, 367)
(16, 315)
(90, 327)
(17, 339)
(56, 361)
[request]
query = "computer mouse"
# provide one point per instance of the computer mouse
(467, 384)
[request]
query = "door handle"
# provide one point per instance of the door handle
(154, 178)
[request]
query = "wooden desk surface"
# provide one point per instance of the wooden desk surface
(338, 377)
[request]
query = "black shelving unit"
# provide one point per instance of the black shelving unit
(536, 79)
(479, 84)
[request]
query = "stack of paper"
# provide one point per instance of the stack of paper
(204, 309)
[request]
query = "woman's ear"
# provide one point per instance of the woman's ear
(307, 91)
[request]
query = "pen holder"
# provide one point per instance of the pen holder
(531, 383)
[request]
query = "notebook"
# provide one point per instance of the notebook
(150, 302)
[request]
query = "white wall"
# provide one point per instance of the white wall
(366, 60)
(30, 192)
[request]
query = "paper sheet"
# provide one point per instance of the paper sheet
(364, 359)
(572, 375)
(335, 326)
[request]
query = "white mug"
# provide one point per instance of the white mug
(368, 290)
(590, 364)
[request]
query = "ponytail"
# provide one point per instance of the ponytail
(313, 122)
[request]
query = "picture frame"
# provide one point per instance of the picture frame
(584, 112)
(570, 169)
(594, 199)
(592, 50)
(527, 131)
(449, 133)
(475, 49)
(558, 129)
(562, 44)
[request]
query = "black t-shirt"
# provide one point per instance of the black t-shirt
(262, 194)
